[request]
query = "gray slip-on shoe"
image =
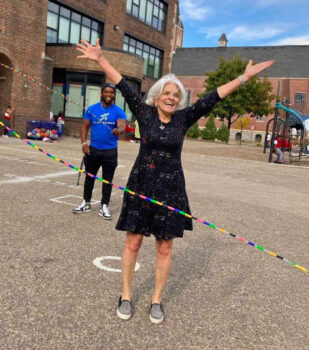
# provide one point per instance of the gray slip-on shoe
(156, 313)
(124, 310)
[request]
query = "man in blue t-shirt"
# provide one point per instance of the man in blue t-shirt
(106, 121)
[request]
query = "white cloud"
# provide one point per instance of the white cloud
(194, 10)
(212, 32)
(256, 32)
(299, 40)
(244, 32)
(268, 3)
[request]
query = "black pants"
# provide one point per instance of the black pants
(107, 159)
(8, 124)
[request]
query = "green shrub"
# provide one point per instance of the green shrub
(210, 131)
(193, 132)
(205, 135)
(223, 133)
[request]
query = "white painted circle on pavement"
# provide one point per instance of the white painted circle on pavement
(98, 263)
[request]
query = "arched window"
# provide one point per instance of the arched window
(258, 138)
(238, 136)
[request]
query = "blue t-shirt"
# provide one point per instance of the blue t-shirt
(102, 122)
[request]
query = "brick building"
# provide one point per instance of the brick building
(39, 37)
(289, 76)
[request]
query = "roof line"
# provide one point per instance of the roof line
(239, 47)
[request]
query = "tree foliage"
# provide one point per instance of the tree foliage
(241, 124)
(254, 97)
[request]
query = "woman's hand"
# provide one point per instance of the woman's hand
(91, 52)
(254, 69)
(250, 71)
(95, 54)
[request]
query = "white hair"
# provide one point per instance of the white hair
(157, 89)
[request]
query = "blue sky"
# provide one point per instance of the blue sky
(245, 22)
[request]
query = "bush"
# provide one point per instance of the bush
(193, 132)
(223, 133)
(205, 135)
(210, 131)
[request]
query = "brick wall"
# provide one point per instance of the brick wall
(126, 63)
(22, 44)
(299, 86)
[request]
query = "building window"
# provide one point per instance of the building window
(84, 89)
(258, 138)
(300, 99)
(260, 118)
(120, 101)
(152, 12)
(238, 136)
(69, 27)
(153, 57)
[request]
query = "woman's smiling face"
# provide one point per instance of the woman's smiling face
(168, 101)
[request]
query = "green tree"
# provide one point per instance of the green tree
(210, 130)
(241, 124)
(254, 97)
(193, 132)
(223, 134)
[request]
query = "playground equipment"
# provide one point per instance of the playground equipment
(283, 126)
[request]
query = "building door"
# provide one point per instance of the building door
(6, 81)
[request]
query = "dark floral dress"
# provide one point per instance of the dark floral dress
(157, 172)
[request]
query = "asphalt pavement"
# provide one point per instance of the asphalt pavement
(60, 279)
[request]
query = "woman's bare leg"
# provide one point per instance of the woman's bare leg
(163, 267)
(129, 256)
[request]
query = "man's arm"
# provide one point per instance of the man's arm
(121, 126)
(83, 136)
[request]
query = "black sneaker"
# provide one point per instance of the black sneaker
(156, 313)
(124, 310)
(83, 208)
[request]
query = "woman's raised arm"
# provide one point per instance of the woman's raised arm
(250, 71)
(94, 53)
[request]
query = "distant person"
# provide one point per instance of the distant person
(106, 121)
(51, 116)
(8, 118)
(137, 134)
(60, 123)
(268, 138)
(129, 132)
(278, 143)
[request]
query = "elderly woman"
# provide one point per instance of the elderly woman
(157, 172)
